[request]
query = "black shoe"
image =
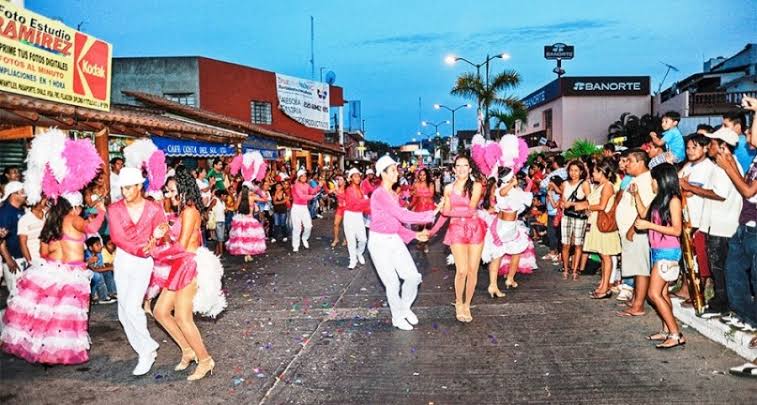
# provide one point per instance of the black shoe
(710, 313)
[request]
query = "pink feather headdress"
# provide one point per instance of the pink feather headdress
(251, 165)
(57, 165)
(489, 156)
(144, 155)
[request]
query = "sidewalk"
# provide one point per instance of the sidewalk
(735, 340)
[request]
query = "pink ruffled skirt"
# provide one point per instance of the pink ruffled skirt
(46, 320)
(246, 237)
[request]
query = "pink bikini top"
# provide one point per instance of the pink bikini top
(458, 201)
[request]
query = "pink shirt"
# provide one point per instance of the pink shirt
(368, 187)
(387, 216)
(355, 200)
(127, 235)
(302, 193)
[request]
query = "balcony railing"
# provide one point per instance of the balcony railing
(716, 103)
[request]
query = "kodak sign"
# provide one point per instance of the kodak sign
(44, 58)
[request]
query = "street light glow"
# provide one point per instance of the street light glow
(450, 59)
(436, 106)
(468, 105)
(424, 123)
(505, 56)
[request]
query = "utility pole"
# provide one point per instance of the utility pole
(312, 48)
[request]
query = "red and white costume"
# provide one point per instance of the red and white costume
(302, 224)
(356, 204)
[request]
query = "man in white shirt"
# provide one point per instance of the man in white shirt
(116, 164)
(29, 228)
(635, 253)
(695, 177)
(720, 218)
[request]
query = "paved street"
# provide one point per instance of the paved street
(305, 329)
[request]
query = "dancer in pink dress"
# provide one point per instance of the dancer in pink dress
(46, 320)
(246, 236)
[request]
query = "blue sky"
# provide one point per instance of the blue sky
(388, 53)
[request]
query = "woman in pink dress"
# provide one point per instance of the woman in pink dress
(46, 320)
(339, 215)
(247, 236)
(194, 283)
(422, 199)
(465, 234)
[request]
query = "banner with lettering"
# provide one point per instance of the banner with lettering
(305, 101)
(185, 147)
(43, 58)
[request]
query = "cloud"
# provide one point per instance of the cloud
(521, 34)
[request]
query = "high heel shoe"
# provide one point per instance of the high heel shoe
(494, 292)
(459, 314)
(203, 368)
(466, 313)
(187, 357)
(334, 243)
(511, 284)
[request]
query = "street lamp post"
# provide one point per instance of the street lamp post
(452, 59)
(452, 110)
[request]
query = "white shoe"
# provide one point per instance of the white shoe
(295, 250)
(306, 244)
(352, 266)
(145, 363)
(286, 239)
(361, 259)
(273, 240)
(411, 318)
(624, 295)
(402, 324)
(319, 216)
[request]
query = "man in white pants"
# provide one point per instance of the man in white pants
(132, 222)
(386, 244)
(301, 221)
(356, 203)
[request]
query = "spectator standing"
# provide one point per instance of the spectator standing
(116, 164)
(11, 211)
(216, 175)
(29, 228)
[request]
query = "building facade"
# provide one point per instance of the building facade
(572, 108)
(236, 91)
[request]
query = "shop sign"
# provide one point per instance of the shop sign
(606, 86)
(43, 58)
(558, 51)
(305, 101)
(183, 147)
(543, 95)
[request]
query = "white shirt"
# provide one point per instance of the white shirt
(626, 212)
(699, 175)
(31, 226)
(721, 218)
(204, 187)
(115, 188)
(219, 210)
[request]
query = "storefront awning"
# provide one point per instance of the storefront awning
(266, 147)
(182, 147)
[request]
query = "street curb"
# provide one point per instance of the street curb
(735, 340)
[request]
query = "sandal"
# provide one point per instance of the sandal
(677, 337)
(659, 336)
(565, 274)
(597, 296)
(576, 273)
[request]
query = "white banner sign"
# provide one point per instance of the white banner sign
(305, 101)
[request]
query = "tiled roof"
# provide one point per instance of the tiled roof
(229, 122)
(138, 122)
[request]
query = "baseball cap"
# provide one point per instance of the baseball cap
(10, 188)
(726, 135)
(383, 163)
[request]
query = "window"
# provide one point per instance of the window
(182, 98)
(260, 112)
(547, 118)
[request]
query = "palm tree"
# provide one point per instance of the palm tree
(508, 118)
(487, 95)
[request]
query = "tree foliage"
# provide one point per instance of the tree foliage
(470, 86)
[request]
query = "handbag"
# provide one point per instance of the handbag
(606, 220)
(571, 212)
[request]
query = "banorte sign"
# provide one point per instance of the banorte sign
(44, 58)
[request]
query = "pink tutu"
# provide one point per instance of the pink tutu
(46, 320)
(511, 238)
(246, 237)
(526, 264)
